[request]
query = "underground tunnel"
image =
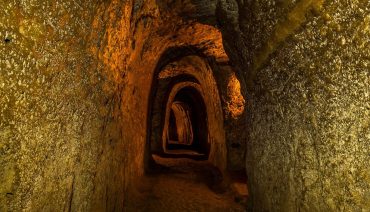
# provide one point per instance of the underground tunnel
(187, 117)
(186, 123)
(184, 105)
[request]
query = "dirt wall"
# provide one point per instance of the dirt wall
(306, 64)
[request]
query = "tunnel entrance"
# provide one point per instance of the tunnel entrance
(187, 130)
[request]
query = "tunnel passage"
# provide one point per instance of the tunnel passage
(75, 86)
(186, 130)
(186, 114)
(180, 128)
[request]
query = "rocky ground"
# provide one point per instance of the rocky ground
(183, 184)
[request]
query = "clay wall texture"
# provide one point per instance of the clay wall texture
(306, 64)
(48, 118)
(59, 137)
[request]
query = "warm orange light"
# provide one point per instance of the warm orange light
(236, 100)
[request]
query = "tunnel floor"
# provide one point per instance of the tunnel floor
(183, 184)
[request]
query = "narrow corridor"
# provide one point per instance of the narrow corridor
(178, 105)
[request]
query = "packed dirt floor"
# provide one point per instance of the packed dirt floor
(183, 184)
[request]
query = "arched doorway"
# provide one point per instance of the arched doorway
(185, 130)
(189, 81)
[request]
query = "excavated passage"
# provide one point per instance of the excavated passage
(187, 144)
(84, 87)
(188, 108)
(186, 88)
(180, 128)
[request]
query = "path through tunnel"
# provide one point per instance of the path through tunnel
(187, 145)
(187, 129)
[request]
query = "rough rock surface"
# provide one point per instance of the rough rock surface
(306, 64)
(52, 109)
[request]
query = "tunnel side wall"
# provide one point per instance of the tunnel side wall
(306, 64)
(60, 135)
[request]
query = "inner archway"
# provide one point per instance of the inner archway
(188, 82)
(186, 128)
